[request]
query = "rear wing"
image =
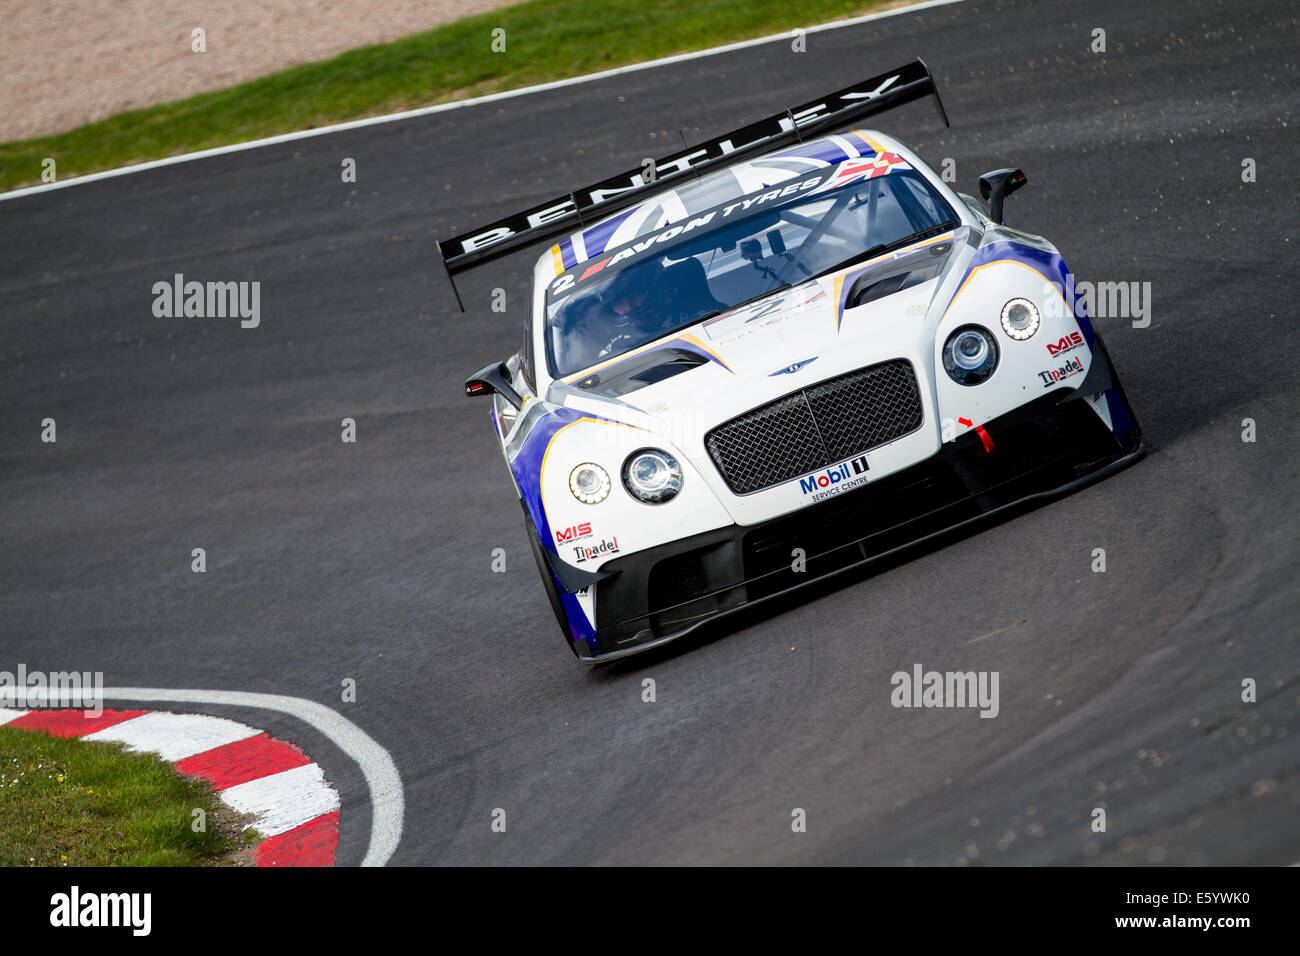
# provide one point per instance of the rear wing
(567, 213)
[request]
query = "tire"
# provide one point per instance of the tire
(549, 585)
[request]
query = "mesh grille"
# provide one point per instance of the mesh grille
(816, 427)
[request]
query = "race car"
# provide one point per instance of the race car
(778, 355)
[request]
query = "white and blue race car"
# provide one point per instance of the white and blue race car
(781, 354)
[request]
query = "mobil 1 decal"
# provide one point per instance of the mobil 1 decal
(835, 479)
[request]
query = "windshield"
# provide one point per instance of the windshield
(735, 252)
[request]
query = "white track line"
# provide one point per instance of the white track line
(387, 803)
(458, 104)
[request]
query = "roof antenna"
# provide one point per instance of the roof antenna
(798, 135)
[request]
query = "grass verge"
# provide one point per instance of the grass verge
(74, 802)
(545, 40)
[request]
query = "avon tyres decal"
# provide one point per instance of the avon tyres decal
(567, 283)
(845, 173)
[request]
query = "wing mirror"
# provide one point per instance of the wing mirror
(996, 186)
(494, 378)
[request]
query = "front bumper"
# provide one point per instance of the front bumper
(1046, 448)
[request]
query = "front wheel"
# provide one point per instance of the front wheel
(549, 584)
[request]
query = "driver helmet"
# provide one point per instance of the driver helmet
(629, 296)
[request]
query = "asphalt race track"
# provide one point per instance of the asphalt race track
(372, 561)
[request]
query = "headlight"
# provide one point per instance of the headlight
(652, 476)
(589, 483)
(970, 355)
(1020, 319)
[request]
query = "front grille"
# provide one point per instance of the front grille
(816, 426)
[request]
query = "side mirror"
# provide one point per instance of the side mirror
(494, 378)
(996, 186)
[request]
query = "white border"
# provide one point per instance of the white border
(475, 101)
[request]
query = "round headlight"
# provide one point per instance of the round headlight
(1020, 319)
(652, 476)
(970, 355)
(589, 483)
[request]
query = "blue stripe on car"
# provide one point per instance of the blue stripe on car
(527, 468)
(597, 237)
(1051, 265)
